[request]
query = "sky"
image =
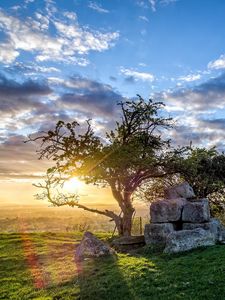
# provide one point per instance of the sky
(75, 59)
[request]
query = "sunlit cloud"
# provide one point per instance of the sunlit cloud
(136, 75)
(205, 97)
(70, 44)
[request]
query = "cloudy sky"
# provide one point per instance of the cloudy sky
(75, 59)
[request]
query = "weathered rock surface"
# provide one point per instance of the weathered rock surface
(129, 240)
(213, 226)
(180, 223)
(91, 246)
(156, 234)
(164, 211)
(185, 240)
(222, 234)
(125, 244)
(183, 190)
(196, 211)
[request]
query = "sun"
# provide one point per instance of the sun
(72, 185)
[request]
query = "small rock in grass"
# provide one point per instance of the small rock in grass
(91, 247)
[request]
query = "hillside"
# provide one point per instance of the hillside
(41, 266)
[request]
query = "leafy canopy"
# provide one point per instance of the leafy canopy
(134, 148)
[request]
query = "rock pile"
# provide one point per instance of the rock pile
(182, 222)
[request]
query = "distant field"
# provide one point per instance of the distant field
(53, 219)
(41, 266)
(31, 219)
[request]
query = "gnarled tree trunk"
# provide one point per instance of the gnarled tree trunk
(127, 223)
(124, 222)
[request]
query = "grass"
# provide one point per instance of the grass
(41, 266)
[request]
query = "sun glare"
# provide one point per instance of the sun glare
(72, 185)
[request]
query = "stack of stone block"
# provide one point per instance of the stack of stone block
(181, 222)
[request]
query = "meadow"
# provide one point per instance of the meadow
(42, 266)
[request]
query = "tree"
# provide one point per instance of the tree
(203, 169)
(132, 153)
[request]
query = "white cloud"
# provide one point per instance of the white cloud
(142, 64)
(43, 21)
(167, 2)
(143, 18)
(82, 40)
(141, 3)
(26, 36)
(137, 75)
(70, 43)
(205, 97)
(190, 77)
(15, 7)
(7, 53)
(153, 4)
(97, 7)
(218, 63)
(70, 15)
(46, 69)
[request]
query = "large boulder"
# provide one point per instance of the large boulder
(164, 211)
(182, 190)
(156, 234)
(91, 247)
(196, 211)
(184, 240)
(213, 226)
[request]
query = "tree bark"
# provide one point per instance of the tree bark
(127, 223)
(124, 225)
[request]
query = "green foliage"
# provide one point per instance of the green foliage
(204, 169)
(134, 145)
(199, 274)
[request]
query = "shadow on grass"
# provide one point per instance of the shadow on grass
(199, 274)
(101, 278)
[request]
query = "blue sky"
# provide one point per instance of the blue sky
(69, 59)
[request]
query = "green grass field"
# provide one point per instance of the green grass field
(41, 266)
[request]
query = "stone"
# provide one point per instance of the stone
(182, 190)
(213, 226)
(156, 234)
(91, 247)
(129, 240)
(164, 211)
(222, 234)
(196, 211)
(124, 244)
(184, 240)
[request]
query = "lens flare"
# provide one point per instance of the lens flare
(72, 185)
